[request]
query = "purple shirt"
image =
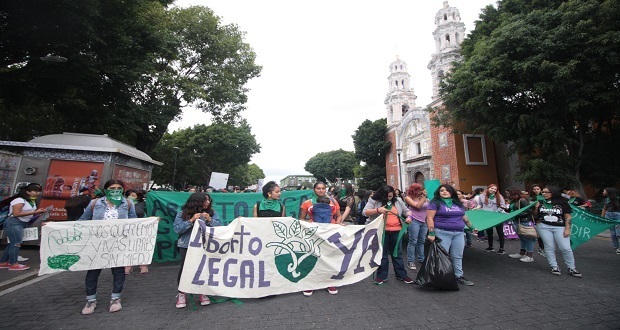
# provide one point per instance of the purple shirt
(448, 218)
(419, 214)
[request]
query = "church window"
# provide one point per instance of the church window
(448, 38)
(453, 16)
(396, 82)
(395, 67)
(401, 66)
(475, 149)
(402, 82)
(445, 17)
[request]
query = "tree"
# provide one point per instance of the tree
(543, 76)
(245, 175)
(371, 148)
(328, 166)
(132, 67)
(219, 147)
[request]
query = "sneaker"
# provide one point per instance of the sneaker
(181, 303)
(17, 266)
(464, 281)
(407, 280)
(489, 249)
(501, 251)
(574, 272)
(4, 265)
(526, 259)
(617, 250)
(468, 246)
(332, 290)
(516, 256)
(90, 307)
(542, 253)
(379, 281)
(115, 305)
(411, 265)
(308, 293)
(555, 271)
(22, 259)
(204, 300)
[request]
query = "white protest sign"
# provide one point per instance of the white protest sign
(96, 244)
(218, 180)
(257, 257)
(30, 234)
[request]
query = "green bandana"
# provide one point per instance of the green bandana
(31, 200)
(343, 193)
(270, 204)
(388, 206)
(114, 196)
(491, 196)
(447, 201)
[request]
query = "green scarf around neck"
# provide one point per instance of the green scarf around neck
(447, 201)
(270, 204)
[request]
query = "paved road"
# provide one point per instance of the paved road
(507, 294)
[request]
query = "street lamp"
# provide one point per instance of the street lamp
(400, 174)
(174, 168)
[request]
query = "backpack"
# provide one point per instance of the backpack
(322, 213)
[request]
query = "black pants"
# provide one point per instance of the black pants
(500, 232)
(182, 253)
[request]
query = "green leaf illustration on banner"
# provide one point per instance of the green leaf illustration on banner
(65, 245)
(297, 253)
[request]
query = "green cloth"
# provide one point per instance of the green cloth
(447, 201)
(343, 193)
(431, 186)
(482, 220)
(270, 204)
(114, 196)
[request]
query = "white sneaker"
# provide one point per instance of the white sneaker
(526, 259)
(516, 256)
(22, 259)
(181, 303)
(204, 300)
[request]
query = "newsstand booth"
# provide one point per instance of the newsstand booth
(65, 163)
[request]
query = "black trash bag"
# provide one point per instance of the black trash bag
(436, 271)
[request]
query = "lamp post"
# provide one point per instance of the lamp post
(400, 174)
(174, 168)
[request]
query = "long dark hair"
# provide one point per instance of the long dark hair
(556, 196)
(348, 188)
(195, 204)
(382, 195)
(113, 181)
(453, 195)
(612, 194)
(23, 193)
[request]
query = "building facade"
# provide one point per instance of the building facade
(292, 182)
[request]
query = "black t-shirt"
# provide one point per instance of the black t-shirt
(553, 215)
(577, 201)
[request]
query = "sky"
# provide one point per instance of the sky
(325, 69)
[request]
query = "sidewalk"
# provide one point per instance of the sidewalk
(507, 294)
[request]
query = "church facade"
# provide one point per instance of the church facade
(421, 151)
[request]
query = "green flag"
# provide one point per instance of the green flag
(585, 225)
(486, 219)
(431, 186)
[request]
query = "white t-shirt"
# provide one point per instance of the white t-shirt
(26, 208)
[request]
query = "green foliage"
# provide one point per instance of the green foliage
(543, 76)
(132, 66)
(221, 147)
(331, 165)
(371, 148)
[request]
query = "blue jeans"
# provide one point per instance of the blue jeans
(15, 233)
(614, 230)
(454, 243)
(92, 277)
(527, 243)
(417, 235)
(389, 244)
(552, 235)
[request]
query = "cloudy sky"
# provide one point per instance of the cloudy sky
(325, 68)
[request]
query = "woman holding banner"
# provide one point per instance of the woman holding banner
(112, 206)
(384, 201)
(198, 206)
(491, 200)
(536, 196)
(320, 189)
(446, 220)
(553, 216)
(22, 209)
(611, 211)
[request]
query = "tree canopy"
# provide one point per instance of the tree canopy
(328, 166)
(131, 67)
(544, 77)
(202, 149)
(371, 148)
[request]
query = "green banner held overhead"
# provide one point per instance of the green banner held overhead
(585, 225)
(166, 204)
(486, 219)
(431, 186)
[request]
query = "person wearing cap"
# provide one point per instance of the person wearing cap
(76, 204)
